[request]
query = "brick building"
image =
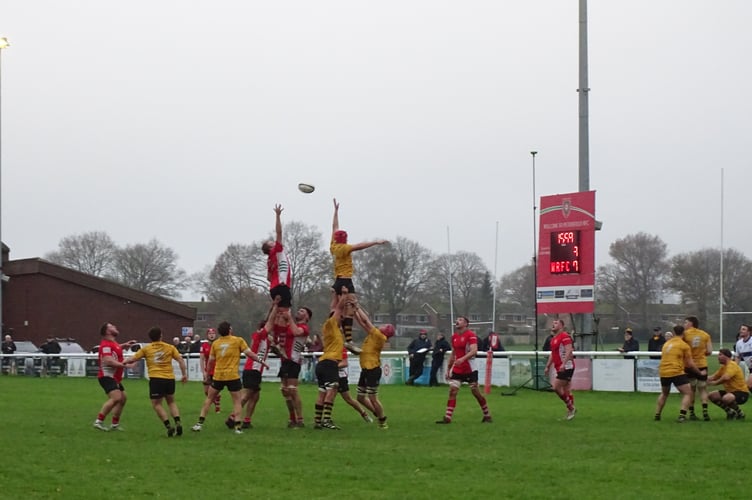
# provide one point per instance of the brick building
(43, 299)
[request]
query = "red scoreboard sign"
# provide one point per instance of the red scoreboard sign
(566, 254)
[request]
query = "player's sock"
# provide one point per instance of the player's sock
(201, 420)
(657, 416)
(115, 420)
(177, 420)
(347, 328)
(101, 417)
(327, 414)
(484, 406)
(167, 423)
(691, 410)
(319, 410)
(451, 405)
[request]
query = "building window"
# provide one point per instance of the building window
(422, 318)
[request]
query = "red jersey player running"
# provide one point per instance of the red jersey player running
(562, 359)
(462, 369)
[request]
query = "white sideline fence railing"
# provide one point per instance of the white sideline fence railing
(595, 370)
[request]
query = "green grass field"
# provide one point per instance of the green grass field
(612, 449)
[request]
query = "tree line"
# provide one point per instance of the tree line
(405, 277)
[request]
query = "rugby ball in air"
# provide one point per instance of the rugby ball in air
(306, 188)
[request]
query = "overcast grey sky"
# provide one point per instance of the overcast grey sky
(187, 121)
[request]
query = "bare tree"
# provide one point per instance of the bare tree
(151, 267)
(467, 272)
(390, 276)
(92, 253)
(695, 277)
(237, 270)
(517, 288)
(641, 262)
(310, 261)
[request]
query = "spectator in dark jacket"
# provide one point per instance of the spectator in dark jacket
(50, 347)
(656, 342)
(417, 351)
(630, 343)
(440, 348)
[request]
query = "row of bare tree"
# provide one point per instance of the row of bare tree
(401, 277)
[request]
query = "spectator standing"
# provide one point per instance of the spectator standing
(492, 342)
(655, 344)
(51, 346)
(9, 347)
(440, 348)
(630, 343)
(417, 352)
(196, 345)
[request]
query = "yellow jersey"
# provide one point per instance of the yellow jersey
(672, 357)
(698, 341)
(158, 356)
(370, 354)
(343, 262)
(332, 339)
(736, 383)
(226, 352)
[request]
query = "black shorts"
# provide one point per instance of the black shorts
(565, 374)
(344, 386)
(691, 375)
(289, 369)
(285, 296)
(327, 372)
(677, 381)
(346, 282)
(741, 396)
(252, 380)
(370, 377)
(109, 385)
(470, 378)
(161, 387)
(232, 385)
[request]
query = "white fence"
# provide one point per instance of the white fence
(596, 370)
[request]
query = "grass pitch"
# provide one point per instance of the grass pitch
(612, 449)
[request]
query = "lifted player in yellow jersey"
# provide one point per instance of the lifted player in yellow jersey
(735, 391)
(159, 356)
(343, 272)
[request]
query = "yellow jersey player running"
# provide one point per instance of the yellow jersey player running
(343, 272)
(158, 356)
(225, 359)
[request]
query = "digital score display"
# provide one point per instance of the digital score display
(565, 252)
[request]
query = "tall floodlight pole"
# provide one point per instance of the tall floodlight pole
(3, 44)
(535, 273)
(584, 322)
(583, 90)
